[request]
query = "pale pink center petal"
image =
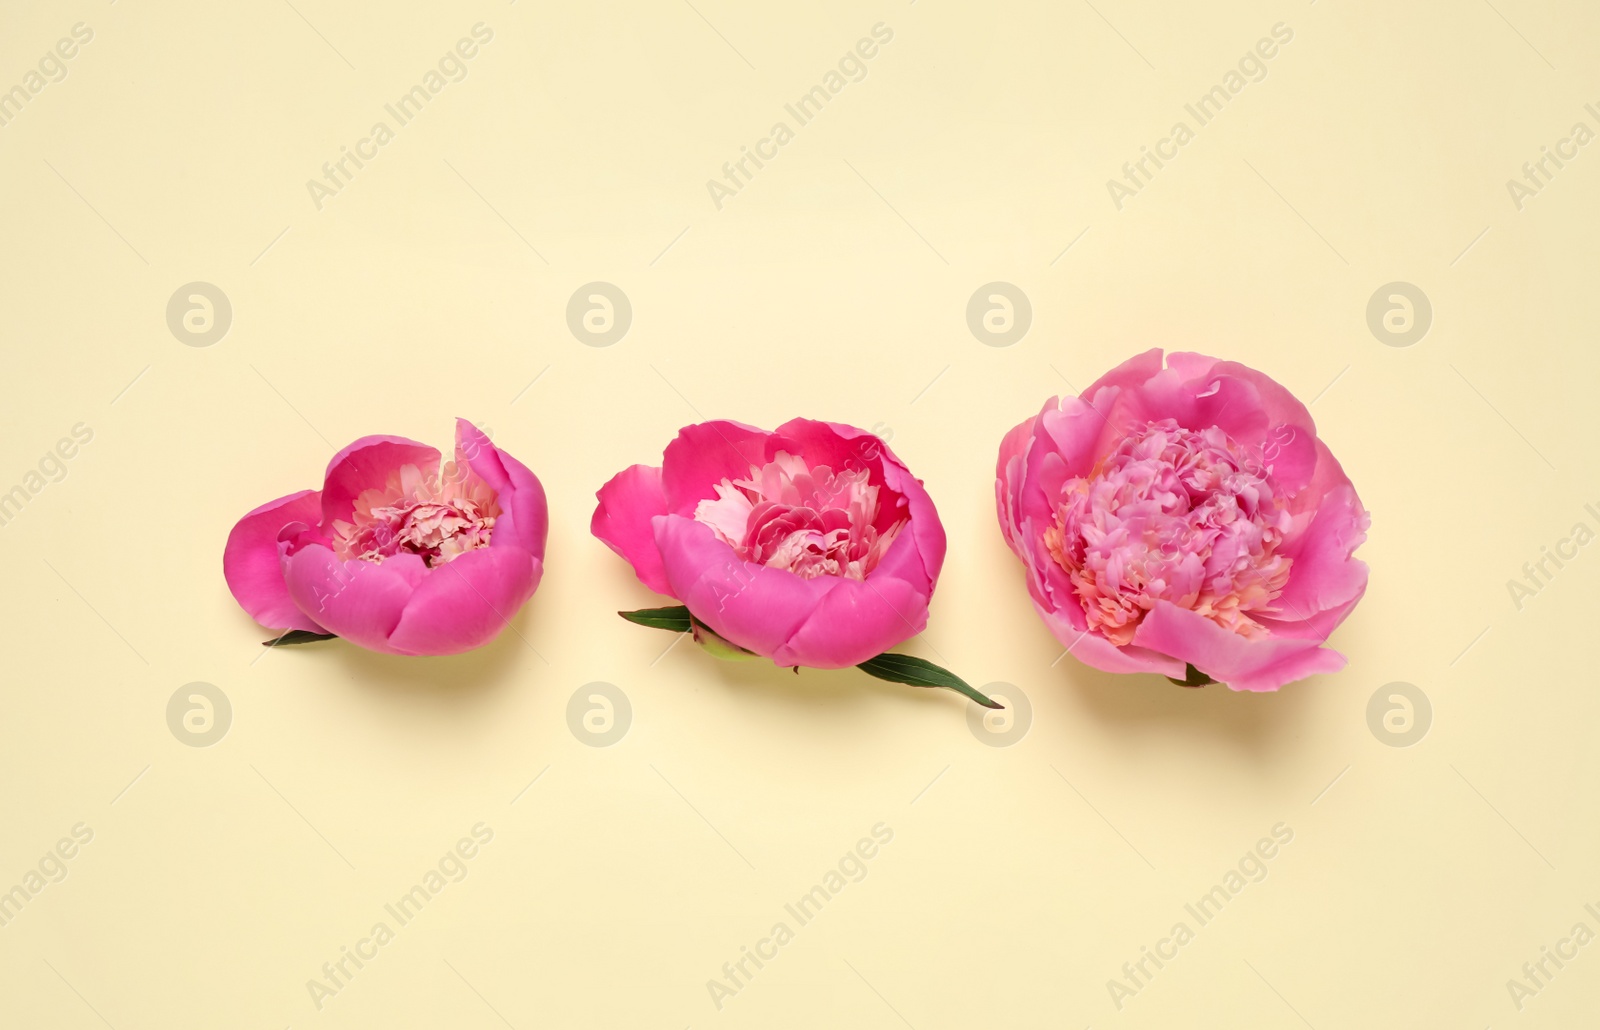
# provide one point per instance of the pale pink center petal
(809, 521)
(437, 519)
(1173, 515)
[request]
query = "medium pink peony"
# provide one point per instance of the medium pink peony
(394, 553)
(811, 545)
(1184, 518)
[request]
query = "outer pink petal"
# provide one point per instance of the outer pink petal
(1292, 454)
(756, 607)
(925, 529)
(855, 620)
(1214, 399)
(1068, 624)
(366, 465)
(622, 521)
(1008, 480)
(361, 601)
(859, 619)
(705, 454)
(524, 514)
(466, 602)
(1281, 406)
(251, 565)
(836, 445)
(1324, 575)
(1130, 374)
(1229, 658)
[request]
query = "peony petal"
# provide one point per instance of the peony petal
(524, 513)
(367, 465)
(846, 447)
(1008, 479)
(1292, 455)
(1130, 374)
(756, 607)
(361, 601)
(855, 620)
(1225, 656)
(704, 454)
(1068, 626)
(1324, 574)
(1231, 403)
(467, 601)
(835, 445)
(1080, 433)
(622, 521)
(1281, 406)
(251, 565)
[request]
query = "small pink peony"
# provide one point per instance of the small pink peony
(394, 553)
(810, 545)
(1184, 520)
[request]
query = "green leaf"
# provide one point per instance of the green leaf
(1192, 678)
(918, 672)
(675, 618)
(298, 636)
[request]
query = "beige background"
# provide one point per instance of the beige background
(1021, 878)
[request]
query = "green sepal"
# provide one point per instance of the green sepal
(718, 646)
(298, 636)
(677, 619)
(1192, 678)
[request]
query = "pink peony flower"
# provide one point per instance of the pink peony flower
(1184, 519)
(811, 545)
(394, 553)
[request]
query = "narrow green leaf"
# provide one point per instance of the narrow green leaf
(1192, 678)
(298, 636)
(918, 672)
(675, 618)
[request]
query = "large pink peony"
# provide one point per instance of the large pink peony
(811, 545)
(395, 553)
(1184, 518)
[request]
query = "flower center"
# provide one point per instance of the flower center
(437, 519)
(1173, 515)
(809, 521)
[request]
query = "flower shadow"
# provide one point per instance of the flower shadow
(478, 673)
(1264, 723)
(827, 696)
